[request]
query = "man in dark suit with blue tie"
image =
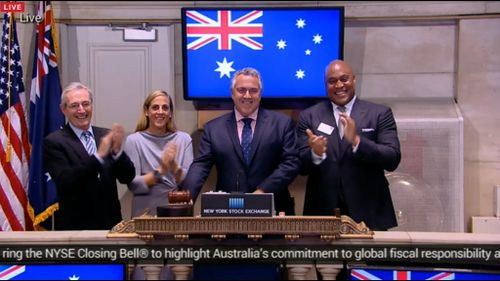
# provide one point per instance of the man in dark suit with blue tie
(85, 161)
(253, 149)
(346, 160)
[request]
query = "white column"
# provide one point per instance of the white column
(329, 271)
(298, 271)
(181, 271)
(152, 271)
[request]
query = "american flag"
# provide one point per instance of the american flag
(289, 47)
(45, 117)
(14, 146)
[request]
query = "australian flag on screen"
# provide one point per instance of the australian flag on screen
(387, 274)
(289, 47)
(63, 272)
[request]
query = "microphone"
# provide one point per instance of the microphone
(238, 182)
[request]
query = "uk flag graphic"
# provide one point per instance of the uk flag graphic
(224, 30)
(8, 272)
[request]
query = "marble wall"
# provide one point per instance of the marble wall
(478, 95)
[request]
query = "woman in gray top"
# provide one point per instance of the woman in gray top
(160, 153)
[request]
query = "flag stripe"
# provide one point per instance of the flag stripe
(12, 272)
(363, 275)
(249, 43)
(200, 17)
(14, 145)
(12, 185)
(11, 222)
(24, 133)
(21, 151)
(197, 44)
(16, 192)
(248, 17)
(14, 126)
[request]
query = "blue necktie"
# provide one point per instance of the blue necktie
(246, 139)
(88, 141)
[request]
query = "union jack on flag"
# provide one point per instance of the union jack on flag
(8, 272)
(420, 274)
(224, 30)
(289, 47)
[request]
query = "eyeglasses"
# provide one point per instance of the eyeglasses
(76, 106)
(243, 90)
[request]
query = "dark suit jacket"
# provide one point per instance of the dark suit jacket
(274, 159)
(359, 176)
(87, 191)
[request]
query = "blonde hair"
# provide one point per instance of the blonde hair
(143, 122)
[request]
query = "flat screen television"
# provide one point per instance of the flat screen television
(290, 47)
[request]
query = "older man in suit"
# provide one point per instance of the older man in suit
(85, 173)
(253, 149)
(346, 160)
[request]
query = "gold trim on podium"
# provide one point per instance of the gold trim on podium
(291, 227)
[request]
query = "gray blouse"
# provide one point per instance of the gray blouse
(145, 151)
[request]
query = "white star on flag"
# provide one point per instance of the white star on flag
(308, 52)
(317, 39)
(300, 74)
(281, 44)
(300, 23)
(225, 68)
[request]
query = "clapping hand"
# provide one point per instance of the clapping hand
(350, 133)
(317, 143)
(118, 137)
(168, 159)
(105, 145)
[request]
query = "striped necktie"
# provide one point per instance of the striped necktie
(89, 142)
(341, 109)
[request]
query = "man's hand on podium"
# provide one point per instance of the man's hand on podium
(258, 191)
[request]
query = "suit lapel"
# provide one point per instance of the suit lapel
(232, 130)
(326, 116)
(98, 135)
(357, 113)
(74, 142)
(260, 128)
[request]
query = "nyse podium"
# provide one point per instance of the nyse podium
(248, 248)
(233, 227)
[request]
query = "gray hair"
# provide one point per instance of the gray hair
(72, 87)
(247, 71)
